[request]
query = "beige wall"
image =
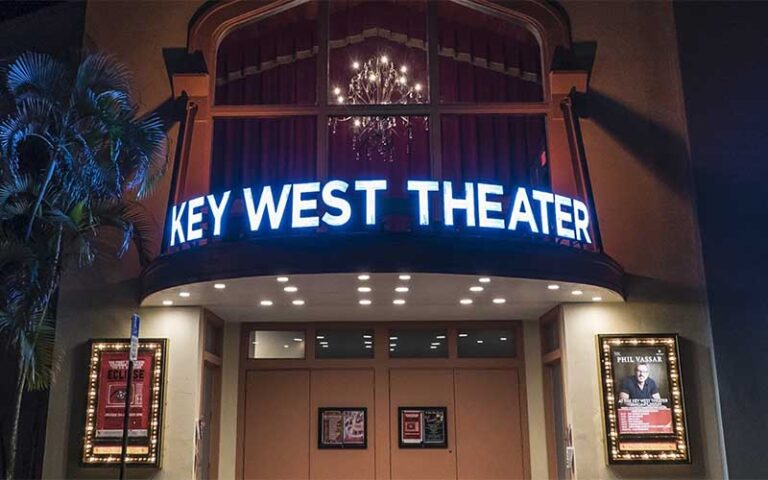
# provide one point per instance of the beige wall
(636, 146)
(105, 313)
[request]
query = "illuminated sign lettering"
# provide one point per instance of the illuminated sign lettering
(308, 205)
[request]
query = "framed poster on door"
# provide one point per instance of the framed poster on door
(643, 401)
(422, 427)
(342, 427)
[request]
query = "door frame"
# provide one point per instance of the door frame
(380, 364)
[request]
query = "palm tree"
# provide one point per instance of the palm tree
(75, 155)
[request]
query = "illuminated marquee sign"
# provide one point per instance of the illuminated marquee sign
(298, 206)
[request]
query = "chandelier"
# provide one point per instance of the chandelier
(377, 81)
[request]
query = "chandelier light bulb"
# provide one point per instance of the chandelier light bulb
(340, 99)
(357, 122)
(372, 77)
(356, 65)
(403, 80)
(337, 91)
(384, 59)
(417, 87)
(403, 69)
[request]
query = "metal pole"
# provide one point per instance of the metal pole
(126, 419)
(132, 355)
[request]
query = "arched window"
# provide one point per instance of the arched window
(310, 90)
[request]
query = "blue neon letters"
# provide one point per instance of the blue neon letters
(479, 205)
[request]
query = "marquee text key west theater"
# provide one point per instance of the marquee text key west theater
(400, 240)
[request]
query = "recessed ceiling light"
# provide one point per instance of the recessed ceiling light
(324, 342)
(364, 301)
(184, 294)
(484, 280)
(393, 338)
(479, 341)
(297, 339)
(364, 277)
(553, 286)
(499, 301)
(503, 339)
(290, 289)
(476, 288)
(219, 286)
(440, 337)
(462, 335)
(325, 346)
(401, 289)
(392, 345)
(363, 289)
(320, 337)
(167, 302)
(298, 302)
(398, 301)
(282, 279)
(435, 343)
(285, 346)
(465, 301)
(266, 303)
(391, 349)
(369, 346)
(368, 342)
(597, 299)
(577, 292)
(404, 277)
(367, 336)
(433, 347)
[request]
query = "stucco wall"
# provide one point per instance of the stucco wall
(636, 145)
(105, 312)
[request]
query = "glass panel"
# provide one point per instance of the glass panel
(501, 149)
(408, 343)
(249, 152)
(487, 343)
(213, 338)
(347, 343)
(486, 59)
(276, 344)
(391, 148)
(270, 61)
(377, 52)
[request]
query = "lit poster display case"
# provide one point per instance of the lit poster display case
(105, 404)
(643, 400)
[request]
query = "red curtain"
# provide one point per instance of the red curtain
(274, 61)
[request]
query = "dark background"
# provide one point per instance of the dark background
(725, 77)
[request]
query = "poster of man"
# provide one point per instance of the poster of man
(642, 387)
(644, 408)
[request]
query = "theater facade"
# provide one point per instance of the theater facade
(400, 239)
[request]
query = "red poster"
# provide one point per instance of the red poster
(110, 411)
(648, 419)
(411, 428)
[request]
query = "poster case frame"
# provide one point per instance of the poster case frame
(341, 446)
(422, 444)
(153, 459)
(615, 455)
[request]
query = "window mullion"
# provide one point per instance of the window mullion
(435, 134)
(322, 91)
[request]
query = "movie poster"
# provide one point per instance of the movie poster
(643, 399)
(423, 427)
(107, 389)
(342, 427)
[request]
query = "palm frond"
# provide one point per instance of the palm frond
(36, 75)
(100, 72)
